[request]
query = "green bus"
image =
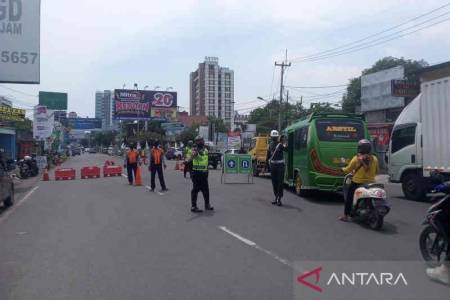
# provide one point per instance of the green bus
(318, 146)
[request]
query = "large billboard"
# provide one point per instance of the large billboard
(11, 114)
(53, 100)
(85, 123)
(136, 105)
(20, 41)
(164, 113)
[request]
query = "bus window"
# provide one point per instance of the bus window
(301, 138)
(339, 130)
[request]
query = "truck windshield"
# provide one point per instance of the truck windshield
(339, 130)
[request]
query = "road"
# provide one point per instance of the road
(103, 239)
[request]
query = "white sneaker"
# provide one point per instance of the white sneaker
(440, 274)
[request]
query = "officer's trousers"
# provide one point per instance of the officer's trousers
(200, 183)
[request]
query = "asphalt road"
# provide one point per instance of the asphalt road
(103, 239)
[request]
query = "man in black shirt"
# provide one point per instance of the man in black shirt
(275, 157)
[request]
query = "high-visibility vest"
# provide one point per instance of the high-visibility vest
(188, 153)
(132, 156)
(156, 155)
(200, 162)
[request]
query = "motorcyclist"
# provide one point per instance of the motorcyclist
(364, 167)
(442, 272)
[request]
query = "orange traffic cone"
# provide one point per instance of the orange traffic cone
(45, 176)
(138, 179)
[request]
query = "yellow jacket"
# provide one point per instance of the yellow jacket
(362, 174)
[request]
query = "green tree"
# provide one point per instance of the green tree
(188, 134)
(352, 97)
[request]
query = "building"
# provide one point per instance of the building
(103, 108)
(212, 91)
(72, 115)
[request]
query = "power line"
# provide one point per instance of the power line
(379, 43)
(375, 34)
(359, 46)
(13, 90)
(315, 87)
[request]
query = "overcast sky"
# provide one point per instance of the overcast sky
(89, 45)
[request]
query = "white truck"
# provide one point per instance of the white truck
(420, 141)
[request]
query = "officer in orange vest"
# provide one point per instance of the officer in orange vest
(131, 163)
(156, 166)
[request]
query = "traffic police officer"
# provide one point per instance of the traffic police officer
(275, 157)
(200, 175)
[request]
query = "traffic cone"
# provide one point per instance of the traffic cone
(45, 176)
(177, 166)
(138, 179)
(182, 166)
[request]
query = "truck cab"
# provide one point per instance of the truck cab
(258, 151)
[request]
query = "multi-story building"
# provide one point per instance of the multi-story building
(103, 108)
(212, 91)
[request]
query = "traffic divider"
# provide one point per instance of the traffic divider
(65, 174)
(109, 171)
(90, 172)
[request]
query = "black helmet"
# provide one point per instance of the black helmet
(364, 147)
(190, 143)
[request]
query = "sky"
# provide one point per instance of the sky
(91, 45)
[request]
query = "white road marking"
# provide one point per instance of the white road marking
(257, 247)
(17, 204)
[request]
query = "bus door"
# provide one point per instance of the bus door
(290, 156)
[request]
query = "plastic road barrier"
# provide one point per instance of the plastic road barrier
(90, 172)
(65, 174)
(112, 171)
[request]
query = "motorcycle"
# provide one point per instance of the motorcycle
(434, 239)
(28, 167)
(369, 203)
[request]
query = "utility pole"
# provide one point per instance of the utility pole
(283, 65)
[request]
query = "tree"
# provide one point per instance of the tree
(188, 134)
(352, 98)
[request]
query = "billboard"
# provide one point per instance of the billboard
(136, 104)
(85, 123)
(11, 114)
(53, 100)
(165, 113)
(43, 123)
(20, 41)
(404, 88)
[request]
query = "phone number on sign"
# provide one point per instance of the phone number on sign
(17, 57)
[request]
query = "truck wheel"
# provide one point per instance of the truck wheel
(413, 187)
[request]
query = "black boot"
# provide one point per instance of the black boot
(279, 202)
(276, 201)
(195, 209)
(209, 207)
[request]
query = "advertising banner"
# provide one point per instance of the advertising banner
(43, 123)
(234, 140)
(165, 113)
(11, 114)
(20, 41)
(136, 104)
(41, 162)
(53, 100)
(85, 123)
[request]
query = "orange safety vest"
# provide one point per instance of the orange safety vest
(132, 156)
(156, 154)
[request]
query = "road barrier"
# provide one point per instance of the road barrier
(65, 174)
(90, 172)
(237, 164)
(109, 171)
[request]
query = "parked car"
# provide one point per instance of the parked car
(76, 151)
(92, 150)
(6, 187)
(174, 153)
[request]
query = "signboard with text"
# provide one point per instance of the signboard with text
(53, 100)
(11, 114)
(137, 104)
(43, 123)
(85, 123)
(20, 41)
(404, 88)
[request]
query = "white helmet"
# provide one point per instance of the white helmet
(274, 133)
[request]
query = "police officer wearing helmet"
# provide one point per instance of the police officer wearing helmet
(364, 167)
(200, 175)
(275, 157)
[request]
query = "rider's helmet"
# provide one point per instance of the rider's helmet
(364, 147)
(274, 134)
(199, 140)
(190, 143)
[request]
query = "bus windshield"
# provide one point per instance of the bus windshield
(339, 130)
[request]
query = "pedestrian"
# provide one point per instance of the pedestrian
(275, 157)
(200, 175)
(156, 166)
(188, 159)
(364, 167)
(131, 163)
